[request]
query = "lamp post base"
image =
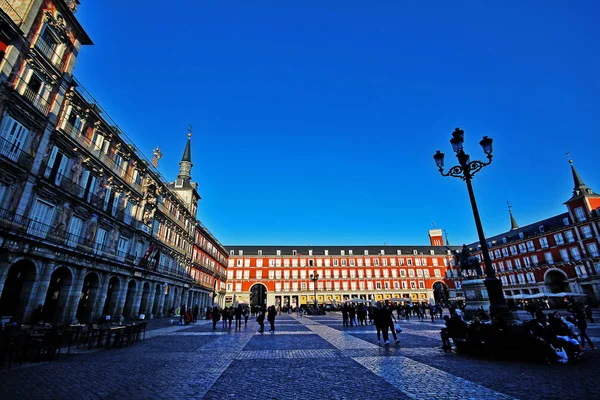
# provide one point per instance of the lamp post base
(498, 307)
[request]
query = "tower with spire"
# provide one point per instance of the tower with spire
(584, 200)
(183, 185)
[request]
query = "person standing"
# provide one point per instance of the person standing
(582, 326)
(261, 319)
(195, 312)
(238, 317)
(216, 316)
(271, 318)
(225, 316)
(388, 323)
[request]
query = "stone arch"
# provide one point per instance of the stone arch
(87, 299)
(112, 295)
(57, 296)
(556, 280)
(258, 294)
(17, 291)
(130, 298)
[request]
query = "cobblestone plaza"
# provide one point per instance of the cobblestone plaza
(306, 358)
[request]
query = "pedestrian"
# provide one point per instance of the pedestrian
(246, 314)
(388, 322)
(588, 313)
(582, 326)
(238, 317)
(230, 316)
(260, 319)
(195, 312)
(224, 316)
(271, 318)
(378, 320)
(216, 316)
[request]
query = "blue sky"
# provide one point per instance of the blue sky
(315, 122)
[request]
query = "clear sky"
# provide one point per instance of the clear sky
(315, 122)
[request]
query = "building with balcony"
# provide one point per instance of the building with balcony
(281, 275)
(554, 255)
(89, 227)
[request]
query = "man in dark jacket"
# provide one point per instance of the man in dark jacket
(271, 318)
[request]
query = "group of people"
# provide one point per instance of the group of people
(549, 336)
(364, 314)
(227, 315)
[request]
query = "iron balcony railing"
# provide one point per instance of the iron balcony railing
(11, 12)
(85, 141)
(79, 191)
(13, 152)
(57, 234)
(50, 53)
(39, 102)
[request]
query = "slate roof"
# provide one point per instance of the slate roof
(270, 250)
(550, 224)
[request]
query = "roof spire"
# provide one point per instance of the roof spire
(446, 234)
(513, 221)
(579, 188)
(185, 165)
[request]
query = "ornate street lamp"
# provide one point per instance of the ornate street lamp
(465, 170)
(315, 277)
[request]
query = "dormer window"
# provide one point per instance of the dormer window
(231, 252)
(366, 252)
(178, 183)
(566, 221)
(260, 252)
(350, 252)
(278, 252)
(503, 240)
(383, 252)
(398, 252)
(414, 252)
(310, 252)
(326, 252)
(294, 252)
(541, 228)
(343, 252)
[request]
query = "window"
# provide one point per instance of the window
(75, 226)
(378, 285)
(278, 252)
(409, 262)
(513, 250)
(350, 252)
(580, 214)
(286, 274)
(369, 273)
(544, 243)
(122, 247)
(404, 286)
(41, 215)
(403, 273)
(57, 166)
(259, 274)
(509, 265)
(247, 262)
(517, 263)
(575, 253)
(569, 236)
(580, 270)
(522, 248)
(413, 285)
(497, 253)
(501, 266)
(343, 252)
(100, 240)
(260, 252)
(549, 258)
(259, 263)
(240, 252)
(593, 249)
(310, 252)
(534, 260)
(505, 252)
(564, 255)
(231, 252)
(559, 238)
(541, 228)
(246, 274)
(587, 231)
(14, 135)
(411, 273)
(238, 274)
(366, 252)
(566, 221)
(326, 252)
(420, 273)
(527, 262)
(530, 245)
(294, 252)
(435, 262)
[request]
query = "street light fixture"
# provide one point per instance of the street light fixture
(465, 171)
(315, 277)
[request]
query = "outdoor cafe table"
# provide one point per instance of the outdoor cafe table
(106, 333)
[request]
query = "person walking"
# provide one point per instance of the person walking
(238, 317)
(387, 321)
(246, 315)
(378, 321)
(582, 326)
(271, 318)
(225, 316)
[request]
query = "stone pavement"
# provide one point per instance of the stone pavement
(306, 358)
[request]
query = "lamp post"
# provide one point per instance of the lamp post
(465, 170)
(315, 277)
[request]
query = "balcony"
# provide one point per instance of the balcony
(11, 12)
(49, 51)
(32, 96)
(13, 152)
(21, 225)
(97, 152)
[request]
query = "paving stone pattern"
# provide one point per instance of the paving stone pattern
(306, 358)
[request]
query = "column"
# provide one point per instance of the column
(44, 283)
(136, 300)
(122, 296)
(160, 310)
(100, 298)
(150, 306)
(4, 267)
(74, 297)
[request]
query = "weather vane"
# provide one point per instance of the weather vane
(190, 131)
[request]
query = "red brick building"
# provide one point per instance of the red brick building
(282, 274)
(557, 254)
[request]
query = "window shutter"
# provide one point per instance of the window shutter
(61, 169)
(51, 160)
